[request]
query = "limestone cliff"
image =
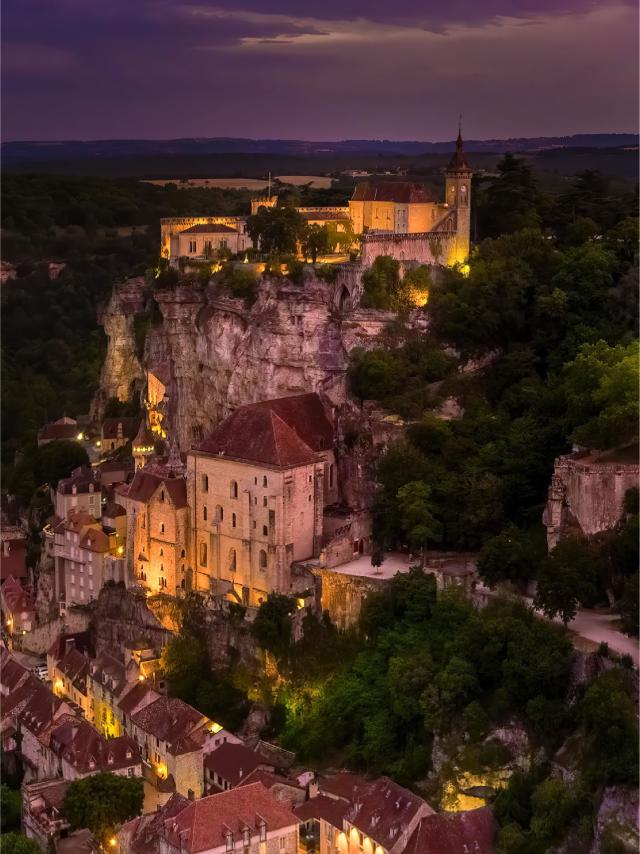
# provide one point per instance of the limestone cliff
(220, 353)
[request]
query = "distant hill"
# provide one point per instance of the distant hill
(14, 153)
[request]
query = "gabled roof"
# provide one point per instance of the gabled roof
(15, 597)
(95, 540)
(145, 484)
(84, 479)
(209, 228)
(80, 641)
(257, 434)
(76, 522)
(142, 835)
(139, 695)
(75, 666)
(233, 762)
(82, 746)
(453, 832)
(173, 721)
(332, 810)
(64, 428)
(401, 192)
(205, 823)
(12, 673)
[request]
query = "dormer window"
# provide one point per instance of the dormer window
(229, 841)
(110, 759)
(246, 836)
(129, 754)
(263, 831)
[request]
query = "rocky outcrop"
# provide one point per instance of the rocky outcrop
(587, 493)
(617, 821)
(222, 354)
(121, 369)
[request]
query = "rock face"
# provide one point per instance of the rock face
(617, 821)
(121, 369)
(587, 493)
(222, 354)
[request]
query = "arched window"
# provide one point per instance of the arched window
(182, 584)
(204, 513)
(203, 554)
(205, 483)
(234, 489)
(161, 552)
(183, 553)
(263, 559)
(232, 560)
(219, 513)
(233, 520)
(265, 530)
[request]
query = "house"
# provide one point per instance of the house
(82, 751)
(78, 492)
(207, 241)
(106, 683)
(18, 607)
(69, 679)
(13, 553)
(248, 819)
(229, 764)
(472, 831)
(351, 814)
(171, 735)
(64, 643)
(64, 429)
(258, 488)
(115, 471)
(42, 817)
(117, 432)
(86, 555)
(283, 788)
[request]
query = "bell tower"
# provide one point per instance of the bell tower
(458, 196)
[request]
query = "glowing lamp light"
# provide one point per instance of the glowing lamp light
(465, 269)
(112, 842)
(120, 550)
(98, 444)
(141, 677)
(300, 604)
(9, 622)
(80, 437)
(214, 728)
(162, 771)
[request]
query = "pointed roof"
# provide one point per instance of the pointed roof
(459, 162)
(256, 434)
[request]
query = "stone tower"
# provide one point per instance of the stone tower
(458, 197)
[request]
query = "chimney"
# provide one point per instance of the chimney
(69, 644)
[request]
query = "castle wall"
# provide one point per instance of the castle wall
(586, 495)
(425, 247)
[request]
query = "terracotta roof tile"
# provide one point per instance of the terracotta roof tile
(87, 750)
(12, 673)
(15, 597)
(80, 641)
(84, 479)
(233, 762)
(115, 428)
(145, 484)
(140, 694)
(174, 722)
(451, 833)
(211, 228)
(58, 431)
(203, 824)
(401, 192)
(332, 810)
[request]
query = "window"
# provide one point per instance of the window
(264, 501)
(130, 772)
(265, 530)
(283, 843)
(162, 528)
(255, 480)
(232, 560)
(263, 832)
(204, 513)
(331, 475)
(264, 480)
(234, 489)
(263, 559)
(203, 554)
(161, 552)
(183, 553)
(205, 483)
(233, 520)
(229, 840)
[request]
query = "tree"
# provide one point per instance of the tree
(510, 202)
(10, 808)
(601, 387)
(416, 513)
(277, 230)
(58, 459)
(315, 241)
(18, 843)
(272, 625)
(510, 556)
(381, 283)
(568, 577)
(102, 803)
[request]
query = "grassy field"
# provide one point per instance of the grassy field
(319, 181)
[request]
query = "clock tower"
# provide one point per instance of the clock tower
(458, 197)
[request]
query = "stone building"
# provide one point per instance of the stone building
(206, 241)
(13, 553)
(80, 491)
(64, 429)
(86, 555)
(257, 488)
(158, 526)
(116, 432)
(587, 492)
(18, 607)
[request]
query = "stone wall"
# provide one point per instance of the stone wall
(39, 640)
(586, 494)
(342, 595)
(426, 248)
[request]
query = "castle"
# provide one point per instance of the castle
(395, 218)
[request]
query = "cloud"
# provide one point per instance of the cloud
(32, 58)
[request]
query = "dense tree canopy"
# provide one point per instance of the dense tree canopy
(102, 803)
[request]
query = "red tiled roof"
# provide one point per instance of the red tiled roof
(12, 673)
(233, 762)
(307, 417)
(83, 747)
(76, 522)
(380, 808)
(114, 428)
(173, 721)
(80, 641)
(33, 704)
(112, 668)
(142, 835)
(344, 785)
(15, 562)
(451, 833)
(58, 431)
(95, 540)
(258, 435)
(138, 694)
(401, 192)
(144, 485)
(269, 779)
(16, 598)
(82, 478)
(322, 806)
(203, 824)
(75, 666)
(211, 228)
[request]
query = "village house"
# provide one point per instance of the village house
(228, 765)
(107, 681)
(18, 607)
(115, 471)
(69, 680)
(42, 818)
(13, 553)
(116, 432)
(64, 429)
(206, 241)
(257, 491)
(86, 556)
(80, 751)
(248, 819)
(78, 492)
(351, 814)
(64, 643)
(284, 789)
(158, 526)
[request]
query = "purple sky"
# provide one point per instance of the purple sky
(395, 69)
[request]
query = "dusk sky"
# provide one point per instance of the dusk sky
(90, 69)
